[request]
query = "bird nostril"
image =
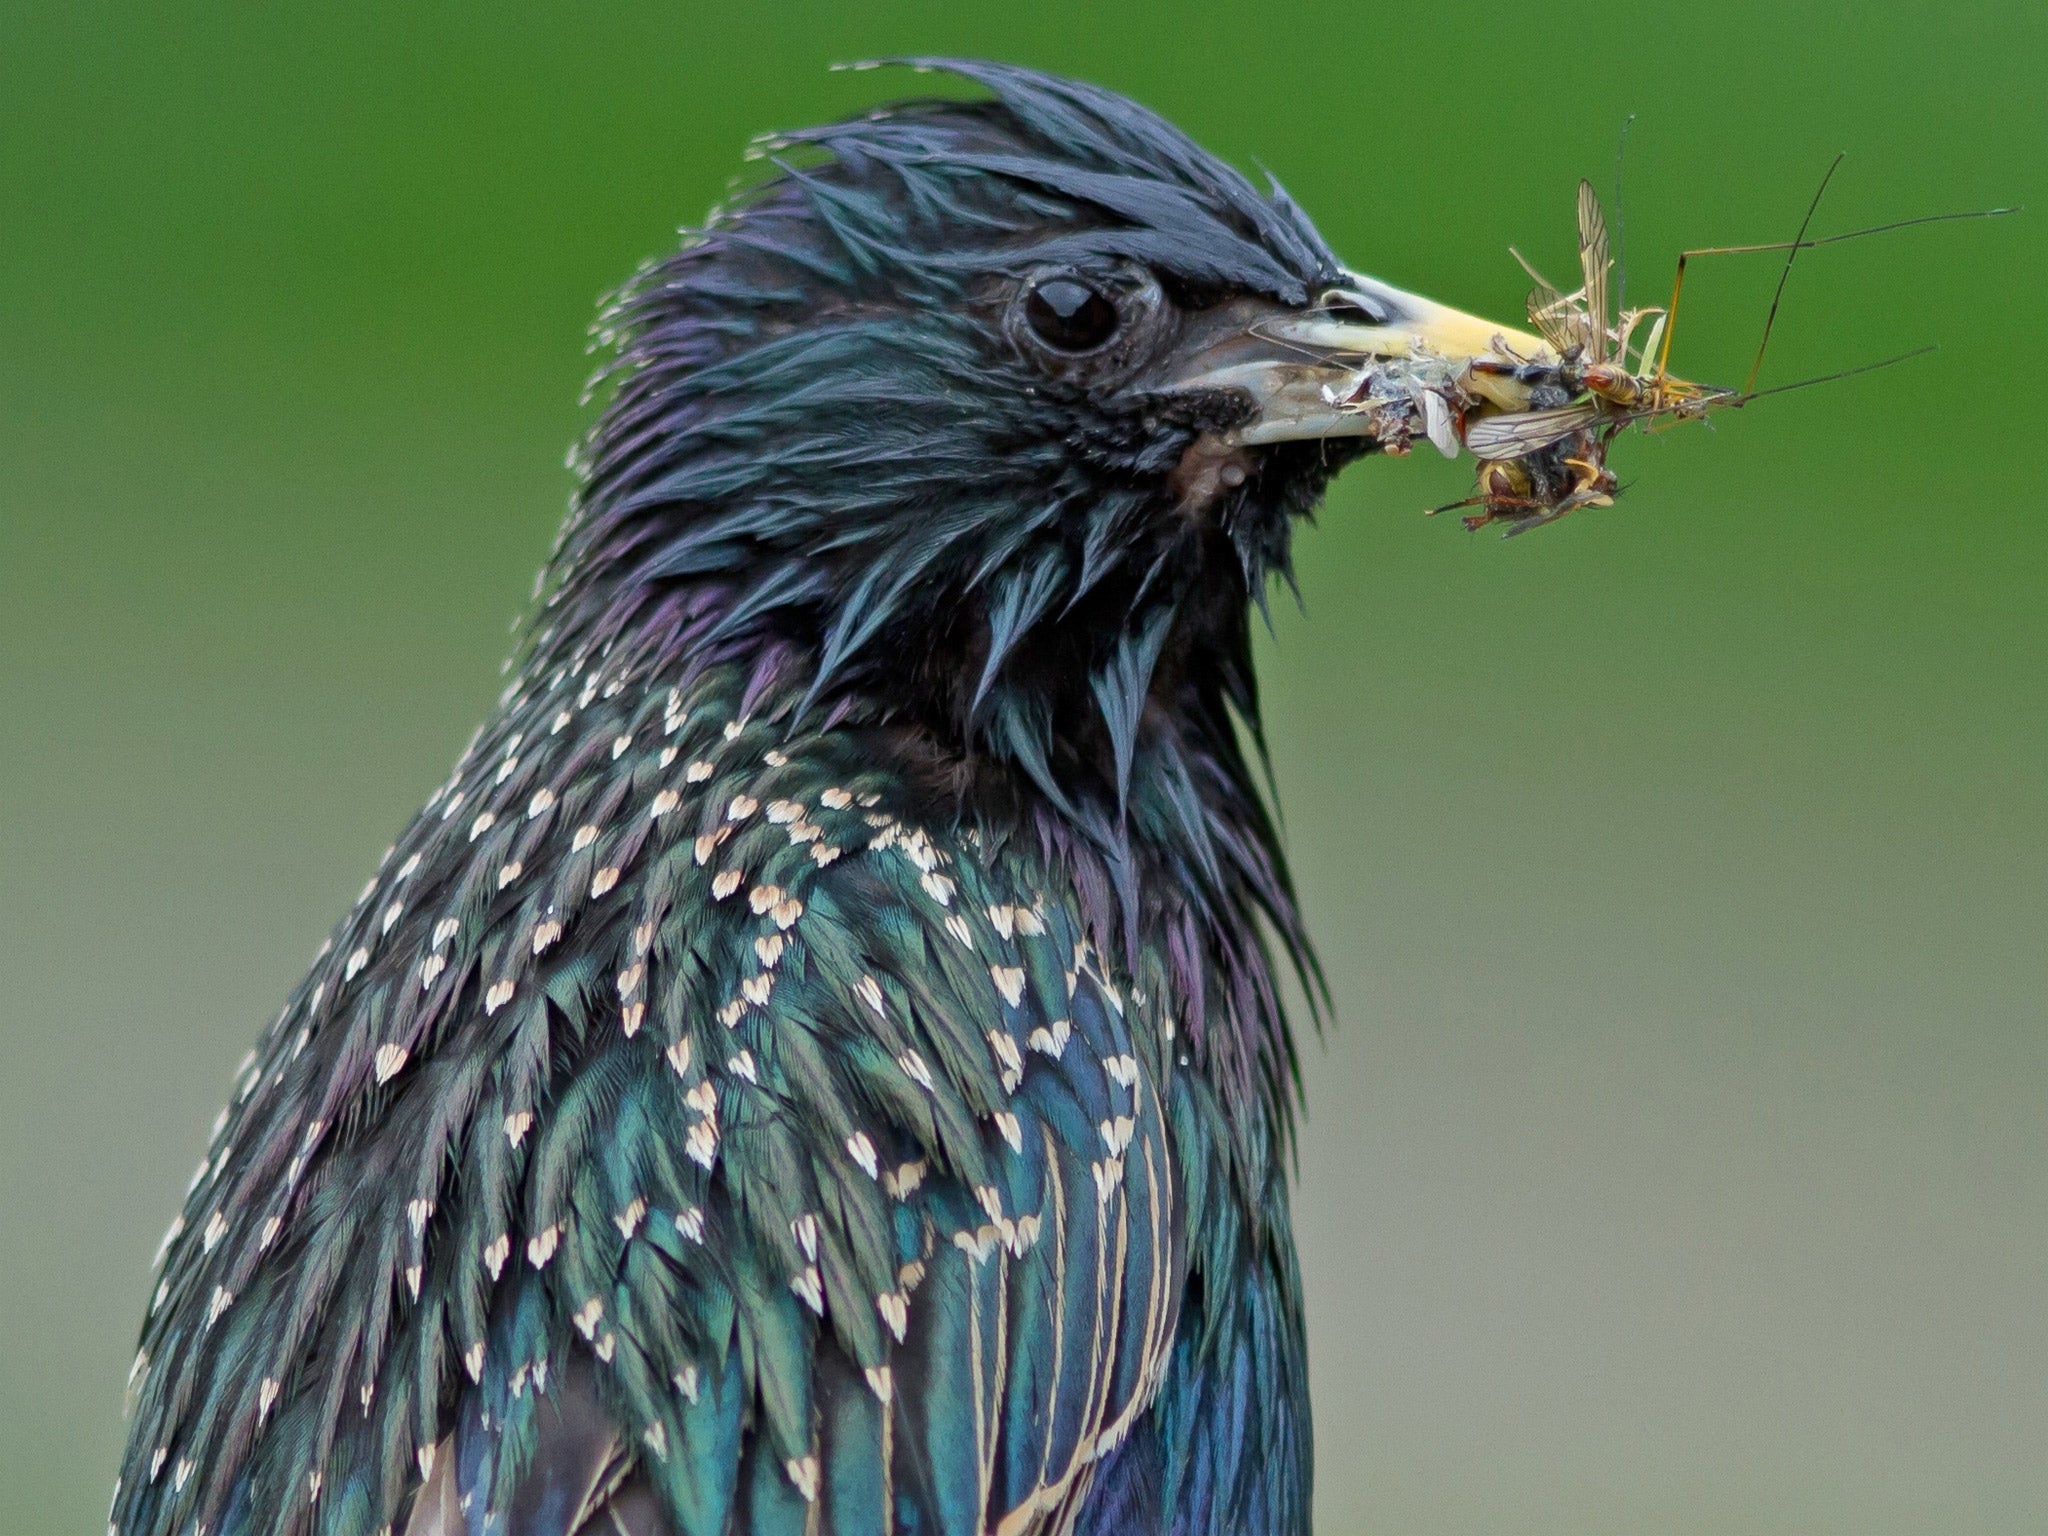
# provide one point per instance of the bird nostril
(1352, 308)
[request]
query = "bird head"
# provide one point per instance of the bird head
(990, 418)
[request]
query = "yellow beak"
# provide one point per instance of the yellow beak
(1295, 364)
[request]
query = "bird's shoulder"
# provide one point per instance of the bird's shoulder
(671, 1052)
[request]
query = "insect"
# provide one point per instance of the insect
(1537, 465)
(1610, 371)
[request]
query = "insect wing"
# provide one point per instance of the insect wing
(1437, 422)
(1593, 262)
(1524, 432)
(1555, 317)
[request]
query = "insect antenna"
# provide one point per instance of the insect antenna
(1620, 222)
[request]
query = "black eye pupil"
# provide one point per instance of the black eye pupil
(1069, 316)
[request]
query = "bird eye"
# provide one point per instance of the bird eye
(1069, 316)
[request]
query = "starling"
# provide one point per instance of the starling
(817, 1065)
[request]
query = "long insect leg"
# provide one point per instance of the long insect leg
(1452, 506)
(1785, 272)
(1678, 282)
(1670, 317)
(1829, 378)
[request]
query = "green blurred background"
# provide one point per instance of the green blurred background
(1677, 1163)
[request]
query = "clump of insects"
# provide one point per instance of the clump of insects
(1610, 371)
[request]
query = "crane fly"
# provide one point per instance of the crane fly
(1547, 456)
